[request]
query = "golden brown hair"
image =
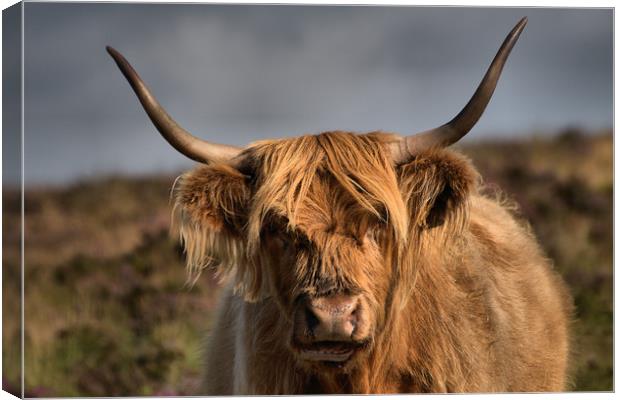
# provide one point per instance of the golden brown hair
(447, 272)
(220, 213)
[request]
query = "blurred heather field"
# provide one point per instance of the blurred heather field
(107, 312)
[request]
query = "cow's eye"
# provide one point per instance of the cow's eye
(286, 242)
(301, 241)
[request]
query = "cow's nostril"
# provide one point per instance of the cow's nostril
(312, 321)
(353, 317)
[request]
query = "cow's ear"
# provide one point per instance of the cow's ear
(209, 214)
(436, 186)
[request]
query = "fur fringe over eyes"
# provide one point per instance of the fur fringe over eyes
(358, 165)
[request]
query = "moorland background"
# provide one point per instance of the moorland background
(108, 313)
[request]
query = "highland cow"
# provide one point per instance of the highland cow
(365, 263)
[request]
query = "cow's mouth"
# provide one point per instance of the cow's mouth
(330, 352)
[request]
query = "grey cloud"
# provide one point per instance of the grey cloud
(241, 73)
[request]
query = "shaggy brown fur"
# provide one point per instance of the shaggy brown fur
(457, 296)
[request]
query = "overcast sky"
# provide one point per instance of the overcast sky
(236, 74)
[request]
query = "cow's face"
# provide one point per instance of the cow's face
(331, 208)
(317, 224)
(328, 271)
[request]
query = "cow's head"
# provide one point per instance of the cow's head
(320, 224)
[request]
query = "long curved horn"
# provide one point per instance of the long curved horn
(187, 144)
(449, 133)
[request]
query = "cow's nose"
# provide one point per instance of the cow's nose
(332, 318)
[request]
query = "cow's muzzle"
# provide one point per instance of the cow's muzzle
(330, 328)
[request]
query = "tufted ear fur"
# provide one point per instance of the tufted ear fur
(436, 185)
(210, 213)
